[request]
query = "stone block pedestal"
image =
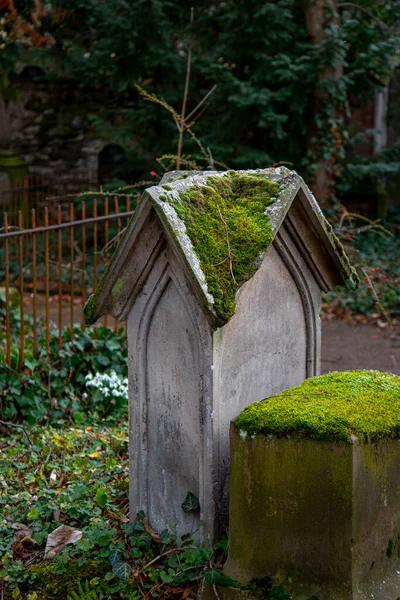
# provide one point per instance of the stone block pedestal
(321, 518)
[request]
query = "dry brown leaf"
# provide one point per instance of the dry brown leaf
(59, 538)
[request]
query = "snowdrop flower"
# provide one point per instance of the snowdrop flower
(108, 384)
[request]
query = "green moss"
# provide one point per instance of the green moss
(330, 407)
(166, 186)
(229, 209)
(117, 287)
(349, 274)
(46, 580)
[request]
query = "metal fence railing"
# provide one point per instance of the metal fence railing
(50, 267)
(33, 191)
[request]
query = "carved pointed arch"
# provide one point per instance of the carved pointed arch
(168, 412)
(310, 313)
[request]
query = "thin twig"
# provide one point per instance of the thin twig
(210, 158)
(198, 142)
(181, 127)
(166, 553)
(228, 244)
(110, 243)
(374, 292)
(200, 104)
(215, 592)
(6, 424)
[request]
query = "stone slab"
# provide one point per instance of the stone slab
(319, 517)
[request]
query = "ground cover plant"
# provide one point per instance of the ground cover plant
(55, 386)
(78, 476)
(375, 253)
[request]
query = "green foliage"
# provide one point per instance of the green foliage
(376, 254)
(53, 387)
(330, 407)
(262, 59)
(119, 567)
(263, 589)
(228, 228)
(84, 593)
(191, 503)
(59, 478)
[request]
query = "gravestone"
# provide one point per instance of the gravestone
(219, 275)
(315, 489)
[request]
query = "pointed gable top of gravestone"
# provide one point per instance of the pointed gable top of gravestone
(220, 224)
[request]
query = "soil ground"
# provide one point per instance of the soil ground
(359, 346)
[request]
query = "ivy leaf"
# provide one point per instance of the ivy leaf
(167, 577)
(173, 562)
(101, 497)
(216, 577)
(120, 568)
(191, 503)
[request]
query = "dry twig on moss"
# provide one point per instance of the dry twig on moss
(229, 257)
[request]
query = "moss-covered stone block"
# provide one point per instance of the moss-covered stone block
(321, 516)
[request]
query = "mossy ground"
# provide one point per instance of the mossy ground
(59, 584)
(230, 208)
(330, 407)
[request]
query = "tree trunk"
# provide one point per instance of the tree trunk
(5, 125)
(317, 14)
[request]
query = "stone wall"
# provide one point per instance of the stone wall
(52, 132)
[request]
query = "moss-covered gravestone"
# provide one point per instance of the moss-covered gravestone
(315, 488)
(219, 276)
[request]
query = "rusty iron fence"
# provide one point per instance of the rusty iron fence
(50, 267)
(34, 191)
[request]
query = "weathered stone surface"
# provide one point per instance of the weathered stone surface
(189, 375)
(323, 518)
(51, 131)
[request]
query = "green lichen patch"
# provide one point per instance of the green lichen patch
(117, 287)
(228, 228)
(330, 407)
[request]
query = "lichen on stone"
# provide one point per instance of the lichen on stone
(117, 287)
(229, 229)
(335, 407)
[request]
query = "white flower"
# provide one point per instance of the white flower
(108, 384)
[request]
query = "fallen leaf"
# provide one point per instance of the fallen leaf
(150, 530)
(59, 538)
(382, 324)
(21, 531)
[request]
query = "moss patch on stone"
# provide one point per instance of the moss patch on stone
(227, 225)
(117, 287)
(330, 407)
(46, 580)
(349, 273)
